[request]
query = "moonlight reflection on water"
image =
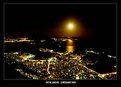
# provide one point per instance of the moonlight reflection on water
(70, 45)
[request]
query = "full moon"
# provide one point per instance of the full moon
(70, 26)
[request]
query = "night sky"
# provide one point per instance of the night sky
(42, 19)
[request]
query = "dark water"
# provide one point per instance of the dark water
(70, 45)
(11, 73)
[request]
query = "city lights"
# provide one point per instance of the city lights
(58, 65)
(54, 68)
